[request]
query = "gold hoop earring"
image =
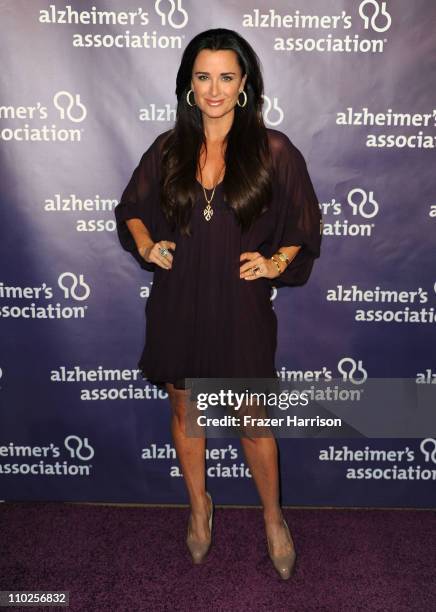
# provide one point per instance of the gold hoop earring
(245, 100)
(187, 98)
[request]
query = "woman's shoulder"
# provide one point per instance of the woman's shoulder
(280, 143)
(284, 153)
(162, 138)
(156, 146)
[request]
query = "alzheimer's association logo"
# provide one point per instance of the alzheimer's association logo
(176, 16)
(375, 15)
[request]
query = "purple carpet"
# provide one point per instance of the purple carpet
(135, 558)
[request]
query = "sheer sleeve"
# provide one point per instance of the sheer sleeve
(299, 220)
(140, 200)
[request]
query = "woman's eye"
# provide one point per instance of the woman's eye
(204, 76)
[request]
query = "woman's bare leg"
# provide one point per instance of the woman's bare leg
(262, 458)
(191, 455)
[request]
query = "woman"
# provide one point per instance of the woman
(219, 208)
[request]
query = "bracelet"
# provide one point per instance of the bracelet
(283, 257)
(273, 258)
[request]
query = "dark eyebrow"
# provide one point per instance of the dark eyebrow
(222, 73)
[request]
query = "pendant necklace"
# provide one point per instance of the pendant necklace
(208, 210)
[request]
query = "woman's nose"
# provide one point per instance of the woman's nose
(214, 88)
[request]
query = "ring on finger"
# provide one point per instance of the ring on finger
(163, 251)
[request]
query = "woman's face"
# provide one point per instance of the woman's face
(216, 81)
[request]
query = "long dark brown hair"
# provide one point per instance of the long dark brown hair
(247, 183)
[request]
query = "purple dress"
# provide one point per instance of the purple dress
(202, 320)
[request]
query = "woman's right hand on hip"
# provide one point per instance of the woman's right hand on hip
(153, 255)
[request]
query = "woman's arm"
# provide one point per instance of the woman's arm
(270, 267)
(299, 220)
(290, 252)
(140, 233)
(147, 248)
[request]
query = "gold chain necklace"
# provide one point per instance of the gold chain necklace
(208, 210)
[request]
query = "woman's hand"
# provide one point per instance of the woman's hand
(258, 266)
(152, 253)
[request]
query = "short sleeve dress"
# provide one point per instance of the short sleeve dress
(202, 320)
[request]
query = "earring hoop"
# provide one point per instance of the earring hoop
(187, 98)
(245, 100)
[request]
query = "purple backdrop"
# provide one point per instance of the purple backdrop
(85, 90)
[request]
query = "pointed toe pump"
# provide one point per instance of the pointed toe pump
(198, 549)
(284, 564)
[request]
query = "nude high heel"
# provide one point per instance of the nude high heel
(284, 564)
(198, 549)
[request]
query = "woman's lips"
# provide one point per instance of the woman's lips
(214, 102)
